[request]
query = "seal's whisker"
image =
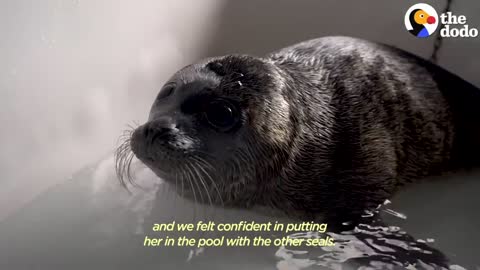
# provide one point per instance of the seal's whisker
(248, 159)
(176, 190)
(188, 177)
(206, 164)
(202, 181)
(132, 126)
(182, 182)
(236, 166)
(191, 170)
(130, 176)
(119, 164)
(124, 137)
(215, 187)
(123, 157)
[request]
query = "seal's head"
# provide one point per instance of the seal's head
(218, 130)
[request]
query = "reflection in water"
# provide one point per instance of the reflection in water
(91, 222)
(370, 244)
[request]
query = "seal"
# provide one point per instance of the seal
(327, 127)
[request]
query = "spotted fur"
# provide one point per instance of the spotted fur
(329, 127)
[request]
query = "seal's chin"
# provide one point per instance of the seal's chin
(165, 175)
(192, 177)
(168, 170)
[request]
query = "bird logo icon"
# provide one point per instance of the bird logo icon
(421, 20)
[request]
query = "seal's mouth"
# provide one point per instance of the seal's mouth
(168, 153)
(161, 145)
(147, 143)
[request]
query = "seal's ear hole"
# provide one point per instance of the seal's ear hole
(221, 115)
(166, 90)
(217, 67)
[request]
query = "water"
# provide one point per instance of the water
(90, 222)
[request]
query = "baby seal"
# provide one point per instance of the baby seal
(327, 127)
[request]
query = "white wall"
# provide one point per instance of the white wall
(74, 73)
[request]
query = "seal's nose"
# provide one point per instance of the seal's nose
(431, 20)
(147, 134)
(156, 129)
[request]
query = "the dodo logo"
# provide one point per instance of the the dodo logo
(421, 20)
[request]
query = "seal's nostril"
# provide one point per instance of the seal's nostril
(156, 135)
(154, 130)
(143, 138)
(148, 131)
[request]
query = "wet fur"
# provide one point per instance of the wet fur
(330, 127)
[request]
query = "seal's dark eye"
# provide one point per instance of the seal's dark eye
(221, 115)
(166, 91)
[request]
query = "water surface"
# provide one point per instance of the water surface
(91, 222)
